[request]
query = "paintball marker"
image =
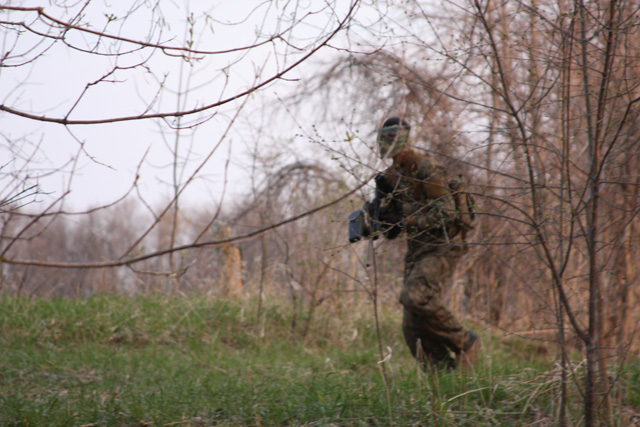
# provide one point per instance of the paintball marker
(364, 223)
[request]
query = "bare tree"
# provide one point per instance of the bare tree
(539, 102)
(534, 103)
(183, 68)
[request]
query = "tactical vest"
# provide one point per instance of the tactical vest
(436, 209)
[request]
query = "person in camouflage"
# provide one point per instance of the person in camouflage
(419, 200)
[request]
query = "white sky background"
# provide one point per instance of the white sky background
(107, 166)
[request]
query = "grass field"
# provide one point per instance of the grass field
(157, 360)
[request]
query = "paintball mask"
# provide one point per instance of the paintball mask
(393, 137)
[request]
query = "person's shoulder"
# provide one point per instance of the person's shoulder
(427, 164)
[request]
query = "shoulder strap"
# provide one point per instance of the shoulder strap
(463, 204)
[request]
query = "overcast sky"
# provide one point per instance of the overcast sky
(106, 157)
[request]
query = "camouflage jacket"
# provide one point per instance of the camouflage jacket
(421, 201)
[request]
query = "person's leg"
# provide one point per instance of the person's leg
(430, 329)
(424, 346)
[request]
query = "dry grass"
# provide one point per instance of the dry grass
(164, 360)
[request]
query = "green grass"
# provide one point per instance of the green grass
(193, 360)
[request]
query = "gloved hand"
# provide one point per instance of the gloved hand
(383, 185)
(391, 215)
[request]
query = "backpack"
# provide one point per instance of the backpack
(464, 203)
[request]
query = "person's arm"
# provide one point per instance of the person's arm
(390, 213)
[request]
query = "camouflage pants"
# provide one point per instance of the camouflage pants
(431, 331)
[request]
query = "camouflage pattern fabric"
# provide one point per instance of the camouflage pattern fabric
(431, 331)
(435, 243)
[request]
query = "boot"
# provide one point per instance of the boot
(467, 358)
